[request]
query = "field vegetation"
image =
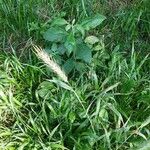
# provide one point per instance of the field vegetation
(74, 75)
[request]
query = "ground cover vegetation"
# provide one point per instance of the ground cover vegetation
(74, 74)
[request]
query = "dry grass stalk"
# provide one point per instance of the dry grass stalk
(50, 63)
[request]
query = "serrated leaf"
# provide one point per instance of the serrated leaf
(55, 34)
(91, 40)
(92, 22)
(68, 66)
(70, 43)
(84, 53)
(59, 22)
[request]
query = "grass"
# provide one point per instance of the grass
(105, 107)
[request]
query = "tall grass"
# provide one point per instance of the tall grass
(37, 113)
(106, 107)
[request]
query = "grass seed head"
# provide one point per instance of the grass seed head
(50, 63)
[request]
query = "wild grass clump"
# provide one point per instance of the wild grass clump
(102, 107)
(39, 113)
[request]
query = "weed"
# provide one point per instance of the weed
(102, 103)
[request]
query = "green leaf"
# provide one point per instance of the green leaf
(84, 53)
(55, 34)
(44, 89)
(70, 43)
(111, 87)
(128, 85)
(98, 47)
(23, 145)
(145, 123)
(59, 22)
(54, 47)
(68, 27)
(62, 84)
(68, 65)
(53, 131)
(80, 67)
(61, 49)
(72, 117)
(103, 114)
(3, 95)
(142, 145)
(79, 28)
(57, 146)
(93, 22)
(91, 40)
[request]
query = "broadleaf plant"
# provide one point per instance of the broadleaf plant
(68, 40)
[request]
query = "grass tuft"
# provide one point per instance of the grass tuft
(106, 106)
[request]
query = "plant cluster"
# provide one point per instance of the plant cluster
(99, 99)
(67, 41)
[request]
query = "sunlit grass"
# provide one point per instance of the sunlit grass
(105, 107)
(42, 114)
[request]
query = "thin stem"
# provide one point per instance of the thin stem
(84, 9)
(84, 109)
